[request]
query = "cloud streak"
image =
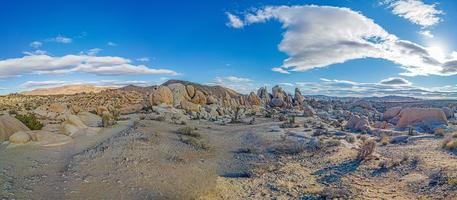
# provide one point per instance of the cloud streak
(99, 65)
(319, 36)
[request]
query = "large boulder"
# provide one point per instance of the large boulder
(46, 138)
(253, 99)
(278, 102)
(278, 92)
(425, 118)
(56, 107)
(391, 113)
(448, 112)
(20, 137)
(199, 98)
(357, 123)
(10, 125)
(90, 119)
(190, 90)
(101, 109)
(72, 125)
(131, 108)
(189, 106)
(299, 98)
(179, 93)
(160, 95)
(308, 111)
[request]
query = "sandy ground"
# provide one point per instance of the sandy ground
(148, 159)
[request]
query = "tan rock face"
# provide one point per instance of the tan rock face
(253, 99)
(90, 119)
(10, 125)
(190, 90)
(101, 109)
(131, 108)
(159, 95)
(57, 108)
(20, 137)
(189, 106)
(391, 113)
(357, 123)
(179, 93)
(72, 125)
(421, 116)
(199, 98)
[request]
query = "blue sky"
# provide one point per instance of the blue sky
(340, 48)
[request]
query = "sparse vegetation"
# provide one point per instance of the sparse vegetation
(31, 121)
(366, 150)
(350, 138)
(189, 131)
(194, 142)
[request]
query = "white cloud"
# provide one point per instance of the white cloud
(426, 33)
(111, 44)
(36, 52)
(417, 12)
(239, 84)
(346, 88)
(280, 70)
(234, 21)
(48, 83)
(319, 36)
(94, 51)
(62, 39)
(238, 79)
(36, 44)
(395, 81)
(143, 59)
(99, 65)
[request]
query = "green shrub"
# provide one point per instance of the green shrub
(30, 121)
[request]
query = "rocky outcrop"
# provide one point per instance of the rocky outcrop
(160, 95)
(20, 137)
(199, 98)
(362, 104)
(101, 109)
(425, 118)
(72, 125)
(299, 98)
(253, 99)
(10, 125)
(357, 123)
(89, 119)
(391, 113)
(189, 106)
(448, 112)
(179, 93)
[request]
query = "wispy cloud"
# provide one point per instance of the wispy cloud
(94, 51)
(395, 81)
(234, 21)
(319, 36)
(111, 44)
(36, 44)
(239, 84)
(416, 11)
(60, 39)
(143, 59)
(99, 65)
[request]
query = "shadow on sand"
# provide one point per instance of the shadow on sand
(334, 173)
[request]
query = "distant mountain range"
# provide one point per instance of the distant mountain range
(66, 90)
(390, 98)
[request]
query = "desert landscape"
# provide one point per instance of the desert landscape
(228, 100)
(184, 140)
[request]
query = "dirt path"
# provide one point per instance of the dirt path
(31, 171)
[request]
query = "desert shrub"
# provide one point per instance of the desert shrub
(12, 112)
(350, 138)
(189, 131)
(286, 148)
(437, 178)
(30, 121)
(367, 148)
(439, 131)
(384, 140)
(332, 143)
(159, 118)
(107, 120)
(450, 145)
(195, 142)
(282, 118)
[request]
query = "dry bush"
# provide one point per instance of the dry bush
(189, 131)
(350, 138)
(367, 148)
(332, 143)
(384, 140)
(192, 141)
